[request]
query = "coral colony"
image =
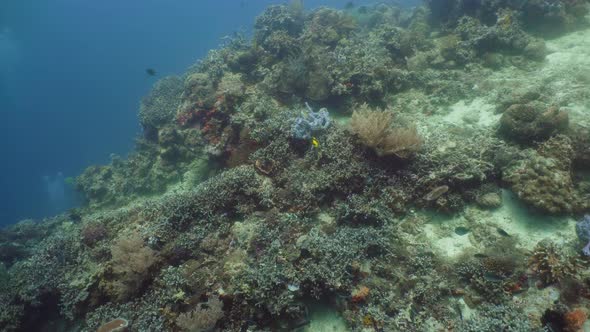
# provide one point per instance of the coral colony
(436, 187)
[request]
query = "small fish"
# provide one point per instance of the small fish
(458, 308)
(492, 277)
(502, 232)
(315, 143)
(435, 193)
(150, 71)
(461, 230)
(480, 255)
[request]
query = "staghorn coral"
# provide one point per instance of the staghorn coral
(375, 131)
(144, 313)
(235, 191)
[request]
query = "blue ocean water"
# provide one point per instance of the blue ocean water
(72, 74)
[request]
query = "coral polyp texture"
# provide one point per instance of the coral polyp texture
(373, 168)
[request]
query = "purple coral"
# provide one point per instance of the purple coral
(583, 231)
(307, 124)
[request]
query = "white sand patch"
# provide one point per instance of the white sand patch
(570, 48)
(580, 113)
(477, 112)
(513, 217)
(324, 318)
(447, 246)
(563, 78)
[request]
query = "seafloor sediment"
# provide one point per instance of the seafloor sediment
(365, 169)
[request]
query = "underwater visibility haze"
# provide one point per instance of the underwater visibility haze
(304, 166)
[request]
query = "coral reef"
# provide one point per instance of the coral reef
(409, 201)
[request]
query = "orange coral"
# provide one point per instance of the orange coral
(368, 320)
(360, 294)
(575, 319)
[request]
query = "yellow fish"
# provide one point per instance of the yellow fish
(315, 143)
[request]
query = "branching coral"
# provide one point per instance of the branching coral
(551, 263)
